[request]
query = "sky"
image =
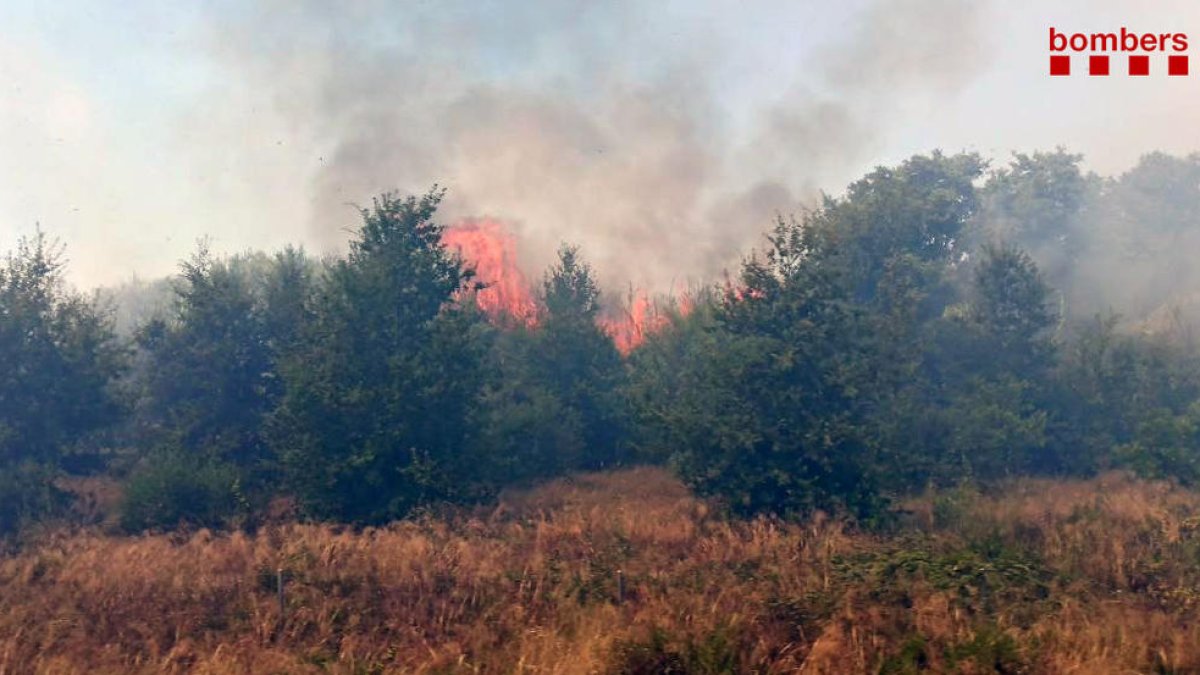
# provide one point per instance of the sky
(660, 137)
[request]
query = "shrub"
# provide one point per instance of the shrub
(173, 488)
(714, 653)
(28, 494)
(1165, 447)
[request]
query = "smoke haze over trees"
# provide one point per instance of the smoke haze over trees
(642, 132)
(941, 321)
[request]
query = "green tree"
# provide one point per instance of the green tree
(58, 358)
(1040, 203)
(524, 429)
(1126, 400)
(907, 219)
(1166, 446)
(554, 401)
(578, 362)
(208, 376)
(374, 419)
(58, 361)
(209, 365)
(782, 398)
(770, 417)
(1010, 310)
(990, 368)
(666, 379)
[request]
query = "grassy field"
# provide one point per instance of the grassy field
(627, 572)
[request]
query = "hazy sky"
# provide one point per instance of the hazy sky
(660, 136)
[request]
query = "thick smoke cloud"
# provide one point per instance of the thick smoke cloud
(621, 127)
(663, 137)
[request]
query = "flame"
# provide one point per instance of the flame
(507, 297)
(490, 248)
(635, 323)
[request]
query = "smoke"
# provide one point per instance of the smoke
(1138, 238)
(662, 137)
(1121, 245)
(649, 134)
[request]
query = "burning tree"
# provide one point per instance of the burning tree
(488, 247)
(491, 252)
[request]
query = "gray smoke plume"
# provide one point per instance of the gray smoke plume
(618, 126)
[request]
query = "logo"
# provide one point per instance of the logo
(1142, 53)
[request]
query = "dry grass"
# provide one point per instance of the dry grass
(1087, 577)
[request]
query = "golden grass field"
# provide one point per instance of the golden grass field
(1099, 576)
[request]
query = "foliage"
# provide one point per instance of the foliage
(578, 362)
(1165, 446)
(378, 391)
(816, 342)
(175, 488)
(524, 427)
(209, 376)
(923, 329)
(1039, 202)
(58, 359)
(28, 495)
(553, 399)
(207, 362)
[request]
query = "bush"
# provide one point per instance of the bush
(28, 494)
(1164, 447)
(712, 654)
(173, 488)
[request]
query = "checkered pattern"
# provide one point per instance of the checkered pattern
(1138, 65)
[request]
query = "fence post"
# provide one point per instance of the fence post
(279, 587)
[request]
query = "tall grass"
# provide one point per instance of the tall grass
(1089, 577)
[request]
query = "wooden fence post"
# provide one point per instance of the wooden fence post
(279, 587)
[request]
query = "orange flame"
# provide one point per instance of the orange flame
(635, 323)
(488, 246)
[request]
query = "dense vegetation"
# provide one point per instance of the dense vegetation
(1052, 577)
(897, 337)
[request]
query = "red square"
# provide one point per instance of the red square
(1098, 65)
(1139, 64)
(1060, 65)
(1177, 65)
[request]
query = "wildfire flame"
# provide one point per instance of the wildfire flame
(491, 249)
(635, 323)
(488, 246)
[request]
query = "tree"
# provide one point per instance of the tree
(1127, 400)
(578, 362)
(1165, 446)
(770, 418)
(554, 401)
(1010, 310)
(523, 428)
(1039, 203)
(58, 360)
(374, 419)
(1138, 232)
(207, 382)
(987, 383)
(911, 215)
(781, 403)
(665, 381)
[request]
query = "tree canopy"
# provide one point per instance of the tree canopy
(928, 326)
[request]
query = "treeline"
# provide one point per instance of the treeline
(895, 337)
